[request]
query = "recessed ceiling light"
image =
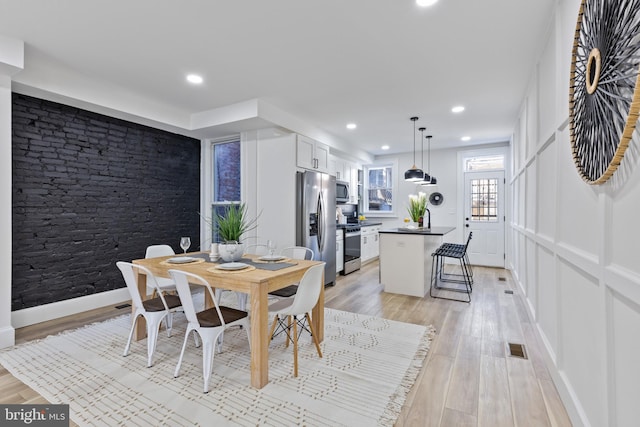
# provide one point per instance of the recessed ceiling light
(194, 78)
(385, 147)
(457, 109)
(425, 3)
(465, 138)
(352, 126)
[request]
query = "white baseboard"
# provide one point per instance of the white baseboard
(56, 310)
(7, 337)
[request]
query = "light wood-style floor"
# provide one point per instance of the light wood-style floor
(468, 378)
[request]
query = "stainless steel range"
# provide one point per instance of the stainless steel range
(351, 247)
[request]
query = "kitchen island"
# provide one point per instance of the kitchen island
(405, 258)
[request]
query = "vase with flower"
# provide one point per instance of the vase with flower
(231, 225)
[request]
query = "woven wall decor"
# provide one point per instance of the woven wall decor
(604, 91)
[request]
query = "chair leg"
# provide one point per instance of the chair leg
(169, 323)
(288, 330)
(247, 327)
(153, 328)
(313, 334)
(208, 353)
(128, 345)
(273, 326)
(295, 346)
(184, 346)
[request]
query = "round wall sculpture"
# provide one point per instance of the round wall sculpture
(604, 91)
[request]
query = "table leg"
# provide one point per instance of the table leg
(259, 335)
(141, 327)
(317, 314)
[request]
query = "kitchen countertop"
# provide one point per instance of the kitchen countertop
(360, 223)
(433, 231)
(366, 223)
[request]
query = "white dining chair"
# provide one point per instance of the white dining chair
(154, 310)
(293, 252)
(297, 252)
(256, 249)
(155, 251)
(207, 324)
(290, 316)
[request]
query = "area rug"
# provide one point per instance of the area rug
(368, 366)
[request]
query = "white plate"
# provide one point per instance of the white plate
(271, 258)
(233, 266)
(181, 260)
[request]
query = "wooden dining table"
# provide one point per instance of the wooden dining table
(257, 283)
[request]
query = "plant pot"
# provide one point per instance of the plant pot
(231, 251)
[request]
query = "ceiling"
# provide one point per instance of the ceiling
(327, 63)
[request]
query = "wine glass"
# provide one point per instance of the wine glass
(185, 242)
(271, 246)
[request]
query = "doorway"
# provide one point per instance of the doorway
(484, 216)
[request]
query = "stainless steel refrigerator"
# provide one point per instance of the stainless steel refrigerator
(316, 218)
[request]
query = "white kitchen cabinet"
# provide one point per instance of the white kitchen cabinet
(311, 154)
(347, 171)
(339, 250)
(341, 169)
(369, 243)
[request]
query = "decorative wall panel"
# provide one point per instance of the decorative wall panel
(547, 179)
(582, 339)
(531, 194)
(624, 226)
(547, 296)
(546, 91)
(625, 319)
(577, 205)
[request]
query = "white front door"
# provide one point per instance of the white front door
(484, 217)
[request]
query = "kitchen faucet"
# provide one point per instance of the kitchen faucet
(428, 218)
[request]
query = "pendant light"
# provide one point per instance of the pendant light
(414, 174)
(432, 179)
(425, 178)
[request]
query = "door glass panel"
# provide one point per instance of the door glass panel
(484, 200)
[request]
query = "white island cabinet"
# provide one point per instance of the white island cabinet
(405, 259)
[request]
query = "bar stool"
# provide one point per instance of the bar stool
(439, 276)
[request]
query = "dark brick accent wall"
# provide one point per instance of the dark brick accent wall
(90, 190)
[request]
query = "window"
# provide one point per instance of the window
(226, 180)
(379, 187)
(484, 163)
(484, 200)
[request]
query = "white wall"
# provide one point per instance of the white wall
(446, 167)
(11, 62)
(574, 249)
(7, 335)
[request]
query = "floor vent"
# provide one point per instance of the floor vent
(508, 291)
(502, 279)
(517, 350)
(121, 306)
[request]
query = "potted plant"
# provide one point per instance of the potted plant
(231, 226)
(417, 207)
